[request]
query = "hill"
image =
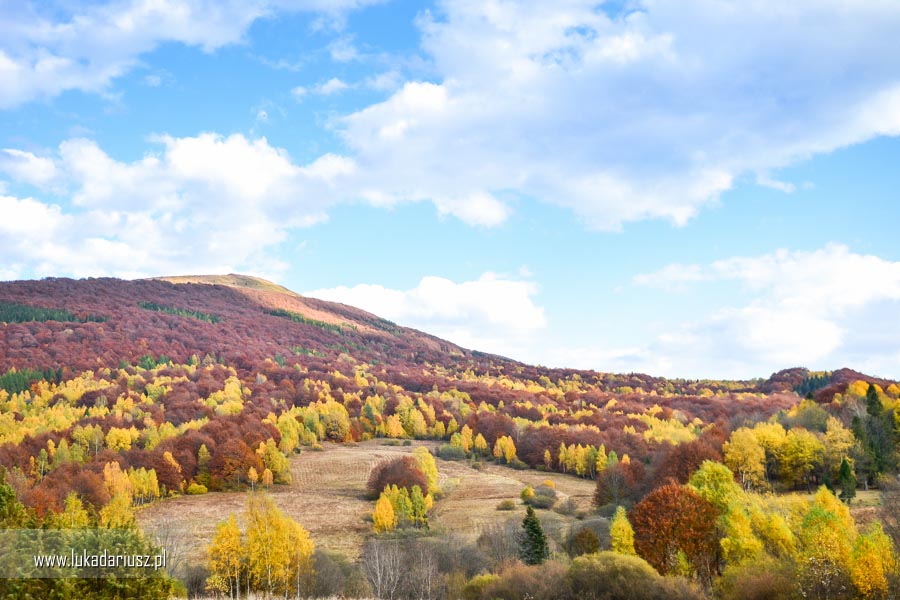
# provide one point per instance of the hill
(168, 399)
(236, 319)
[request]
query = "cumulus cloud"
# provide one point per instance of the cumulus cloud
(653, 113)
(825, 308)
(27, 167)
(492, 313)
(209, 203)
(58, 48)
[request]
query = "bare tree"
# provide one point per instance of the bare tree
(383, 564)
(176, 542)
(500, 542)
(422, 578)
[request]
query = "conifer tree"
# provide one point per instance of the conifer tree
(621, 534)
(847, 480)
(533, 549)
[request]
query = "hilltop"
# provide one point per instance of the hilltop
(165, 400)
(233, 318)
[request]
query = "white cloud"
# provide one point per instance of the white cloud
(826, 308)
(387, 81)
(343, 49)
(85, 48)
(647, 115)
(26, 167)
(332, 86)
(491, 313)
(299, 92)
(208, 203)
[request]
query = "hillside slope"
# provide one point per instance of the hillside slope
(236, 319)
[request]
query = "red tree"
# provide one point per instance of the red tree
(673, 519)
(402, 471)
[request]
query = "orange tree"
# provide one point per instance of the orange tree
(675, 531)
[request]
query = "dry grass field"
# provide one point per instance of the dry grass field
(327, 497)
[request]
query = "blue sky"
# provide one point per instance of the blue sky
(696, 188)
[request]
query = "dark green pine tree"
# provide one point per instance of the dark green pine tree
(873, 403)
(847, 480)
(533, 549)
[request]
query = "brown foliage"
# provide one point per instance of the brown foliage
(402, 471)
(682, 460)
(689, 525)
(230, 462)
(621, 483)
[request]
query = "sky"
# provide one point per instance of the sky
(691, 188)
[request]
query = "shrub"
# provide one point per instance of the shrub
(537, 582)
(542, 496)
(517, 465)
(758, 579)
(195, 489)
(506, 505)
(611, 576)
(568, 508)
(545, 502)
(403, 471)
(584, 541)
(475, 588)
(448, 452)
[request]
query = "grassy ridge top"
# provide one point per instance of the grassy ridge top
(231, 280)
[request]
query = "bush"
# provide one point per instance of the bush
(335, 575)
(543, 496)
(195, 489)
(475, 588)
(448, 452)
(517, 465)
(403, 471)
(611, 576)
(567, 508)
(758, 579)
(537, 582)
(544, 502)
(584, 541)
(506, 505)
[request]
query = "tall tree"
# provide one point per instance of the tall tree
(533, 548)
(847, 481)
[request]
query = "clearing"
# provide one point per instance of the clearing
(327, 496)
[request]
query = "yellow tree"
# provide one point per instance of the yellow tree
(481, 445)
(118, 513)
(300, 565)
(746, 458)
(771, 436)
(621, 534)
(466, 438)
(838, 443)
(873, 560)
(116, 481)
(384, 517)
(74, 515)
(827, 535)
(802, 455)
(426, 462)
(271, 546)
(226, 555)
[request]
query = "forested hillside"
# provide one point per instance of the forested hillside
(115, 395)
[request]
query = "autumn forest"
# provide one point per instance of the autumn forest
(125, 405)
